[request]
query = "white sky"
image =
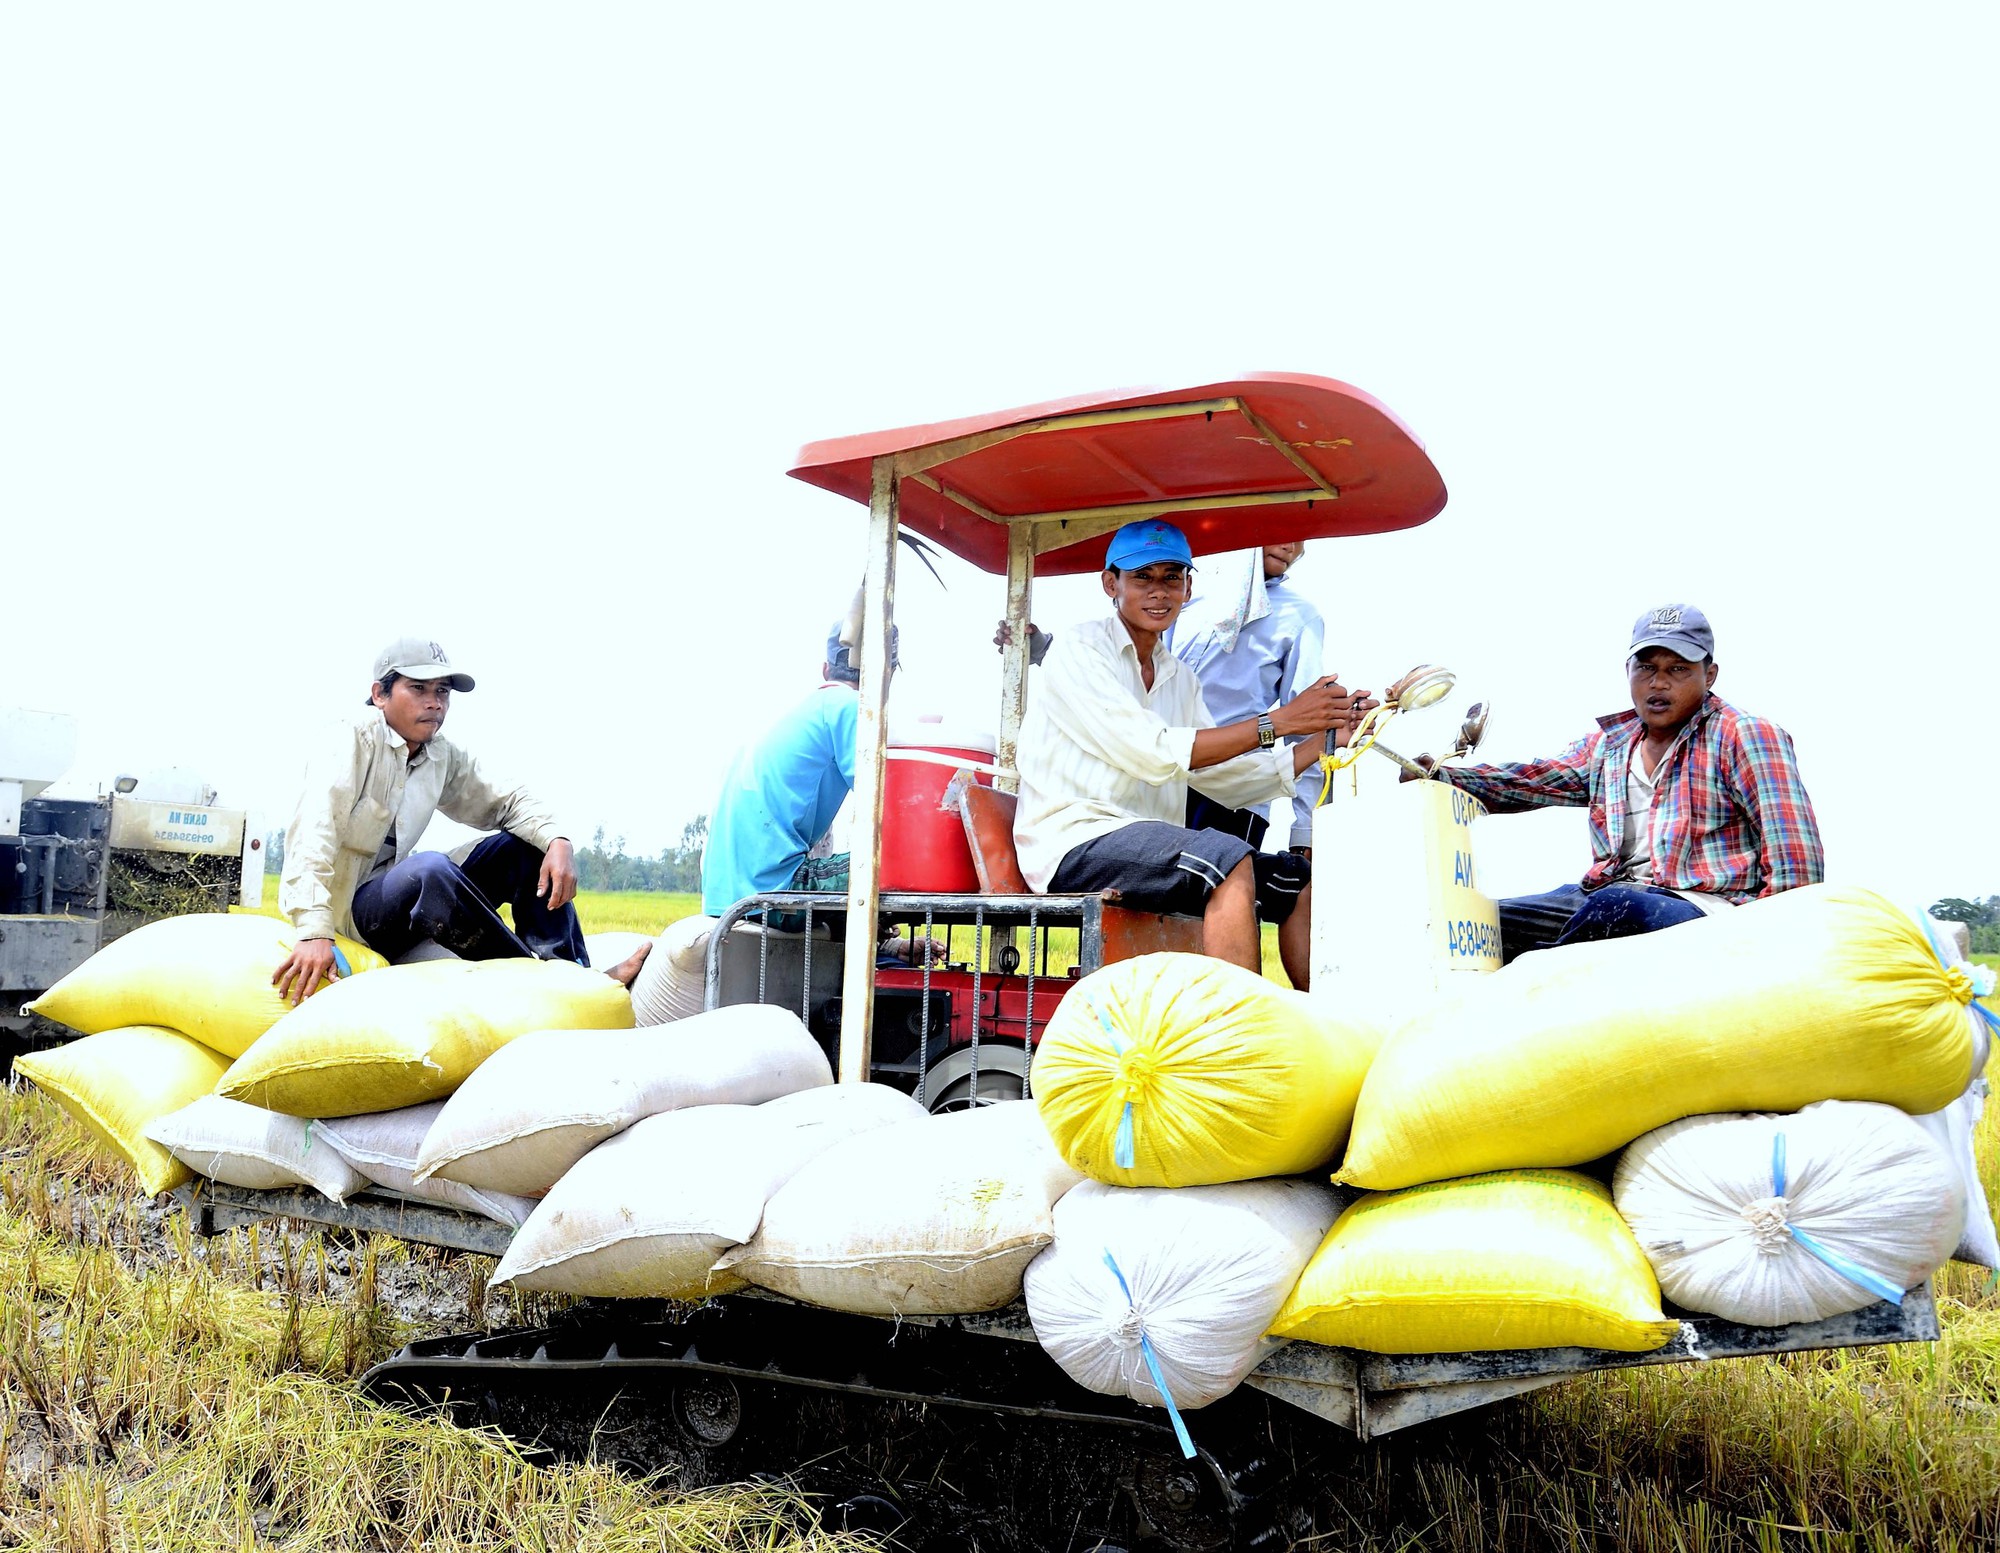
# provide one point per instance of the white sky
(500, 324)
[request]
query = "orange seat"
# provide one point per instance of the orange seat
(988, 815)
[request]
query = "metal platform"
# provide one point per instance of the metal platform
(1368, 1394)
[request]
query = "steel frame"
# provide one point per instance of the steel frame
(1028, 535)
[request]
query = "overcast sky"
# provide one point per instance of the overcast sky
(501, 324)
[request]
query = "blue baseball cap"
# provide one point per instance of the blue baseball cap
(1145, 542)
(1680, 628)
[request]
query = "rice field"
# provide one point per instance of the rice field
(161, 1392)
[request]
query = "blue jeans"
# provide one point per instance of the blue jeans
(427, 895)
(1571, 915)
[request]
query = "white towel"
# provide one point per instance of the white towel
(1237, 597)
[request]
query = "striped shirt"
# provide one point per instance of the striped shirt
(1730, 815)
(1098, 750)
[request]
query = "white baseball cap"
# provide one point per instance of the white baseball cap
(417, 657)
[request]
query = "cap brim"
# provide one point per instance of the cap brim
(1131, 563)
(436, 671)
(1686, 646)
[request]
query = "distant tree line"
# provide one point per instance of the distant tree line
(598, 867)
(1982, 917)
(677, 867)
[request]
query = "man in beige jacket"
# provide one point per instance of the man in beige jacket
(350, 863)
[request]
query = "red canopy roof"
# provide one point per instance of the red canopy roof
(1257, 460)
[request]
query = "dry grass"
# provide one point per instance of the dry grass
(163, 1393)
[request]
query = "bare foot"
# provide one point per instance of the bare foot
(626, 971)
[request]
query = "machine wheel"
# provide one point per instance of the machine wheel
(710, 1410)
(948, 1086)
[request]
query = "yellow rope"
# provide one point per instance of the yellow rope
(1373, 721)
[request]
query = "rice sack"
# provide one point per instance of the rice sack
(673, 982)
(1822, 993)
(207, 975)
(117, 1083)
(646, 1214)
(1956, 1130)
(547, 1098)
(1769, 1220)
(411, 1033)
(932, 1217)
(383, 1147)
(259, 1150)
(1518, 1259)
(1187, 1281)
(1184, 1070)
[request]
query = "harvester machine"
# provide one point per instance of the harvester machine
(78, 871)
(960, 1430)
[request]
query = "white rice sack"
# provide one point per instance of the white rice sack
(1861, 1204)
(383, 1146)
(1204, 1270)
(611, 949)
(1955, 1128)
(259, 1150)
(544, 1100)
(646, 1214)
(938, 1216)
(672, 983)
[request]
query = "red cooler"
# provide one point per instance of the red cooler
(923, 844)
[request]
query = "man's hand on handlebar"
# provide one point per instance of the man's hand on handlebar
(1322, 706)
(1428, 762)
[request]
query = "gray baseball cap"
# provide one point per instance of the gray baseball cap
(416, 657)
(844, 664)
(1680, 628)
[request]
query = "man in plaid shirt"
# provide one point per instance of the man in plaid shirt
(1694, 806)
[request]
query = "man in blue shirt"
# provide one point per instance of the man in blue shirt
(782, 792)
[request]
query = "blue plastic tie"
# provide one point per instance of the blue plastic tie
(1153, 1364)
(1978, 1008)
(1852, 1271)
(1124, 1151)
(340, 962)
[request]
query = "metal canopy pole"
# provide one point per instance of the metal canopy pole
(1014, 665)
(871, 738)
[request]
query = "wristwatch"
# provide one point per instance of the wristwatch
(1267, 732)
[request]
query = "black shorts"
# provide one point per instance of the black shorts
(1154, 866)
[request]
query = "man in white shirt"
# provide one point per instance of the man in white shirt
(351, 864)
(1117, 732)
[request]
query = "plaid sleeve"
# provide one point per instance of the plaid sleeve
(1531, 784)
(1765, 772)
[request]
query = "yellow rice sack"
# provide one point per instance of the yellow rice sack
(413, 1033)
(1521, 1259)
(207, 975)
(1822, 993)
(1182, 1070)
(117, 1083)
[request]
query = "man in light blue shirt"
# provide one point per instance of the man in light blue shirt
(1254, 643)
(783, 790)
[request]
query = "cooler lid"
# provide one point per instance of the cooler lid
(926, 732)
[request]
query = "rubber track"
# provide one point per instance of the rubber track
(947, 1405)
